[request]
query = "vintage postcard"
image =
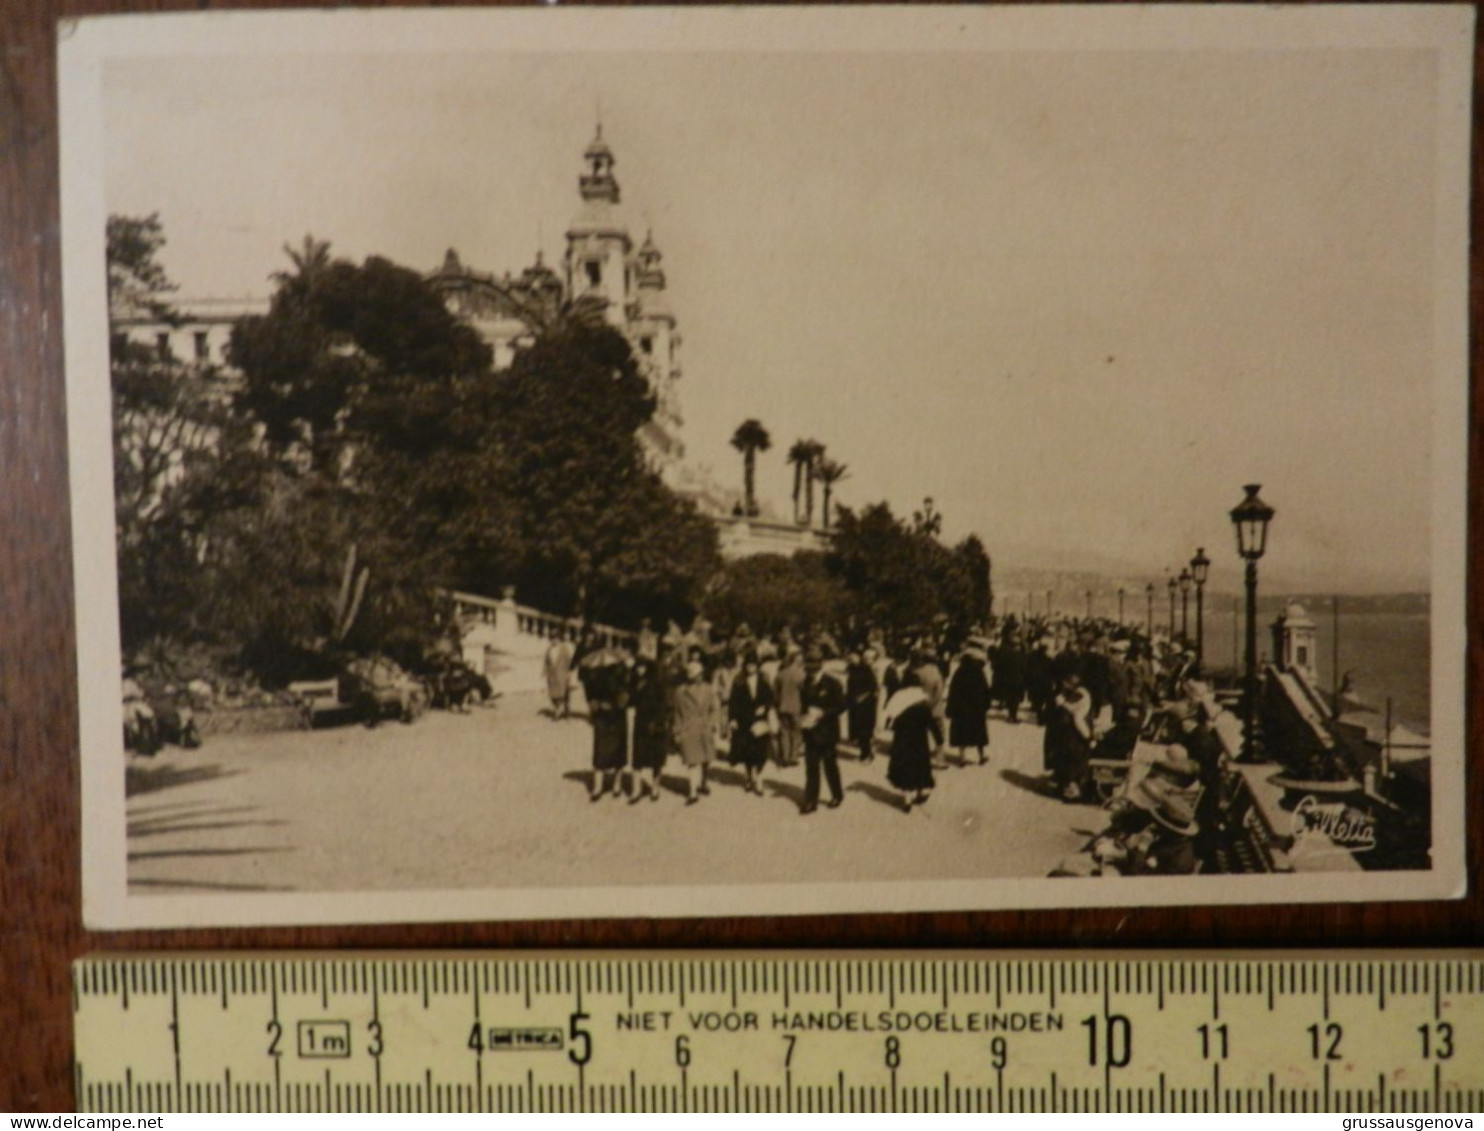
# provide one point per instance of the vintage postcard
(685, 462)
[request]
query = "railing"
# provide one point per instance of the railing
(504, 613)
(740, 535)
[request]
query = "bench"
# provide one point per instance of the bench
(316, 697)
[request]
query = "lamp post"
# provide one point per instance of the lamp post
(1185, 606)
(1089, 604)
(1048, 604)
(1200, 569)
(1251, 517)
(1149, 616)
(1120, 605)
(1171, 584)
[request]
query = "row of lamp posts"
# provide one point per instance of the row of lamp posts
(1250, 517)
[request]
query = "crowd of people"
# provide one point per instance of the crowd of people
(922, 697)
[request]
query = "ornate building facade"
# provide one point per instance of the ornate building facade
(603, 271)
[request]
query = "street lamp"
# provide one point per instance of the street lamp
(1149, 616)
(1185, 606)
(1200, 569)
(1120, 605)
(1171, 584)
(1048, 604)
(1251, 517)
(1089, 604)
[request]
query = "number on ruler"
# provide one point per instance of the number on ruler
(1117, 1033)
(1437, 1041)
(578, 1033)
(1213, 1042)
(999, 1052)
(682, 1051)
(1324, 1041)
(276, 1031)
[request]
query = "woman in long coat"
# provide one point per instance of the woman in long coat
(861, 691)
(968, 706)
(915, 732)
(649, 696)
(751, 716)
(556, 667)
(605, 684)
(1010, 675)
(1069, 740)
(695, 720)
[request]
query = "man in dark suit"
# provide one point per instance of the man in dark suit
(823, 700)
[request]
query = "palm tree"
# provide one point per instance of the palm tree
(815, 452)
(310, 262)
(829, 472)
(749, 439)
(799, 455)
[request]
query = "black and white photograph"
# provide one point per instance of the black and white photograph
(658, 462)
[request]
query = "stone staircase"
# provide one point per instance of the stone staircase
(508, 641)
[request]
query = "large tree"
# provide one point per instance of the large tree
(799, 456)
(901, 576)
(603, 535)
(749, 439)
(829, 472)
(374, 404)
(351, 357)
(181, 458)
(767, 592)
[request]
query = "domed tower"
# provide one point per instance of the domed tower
(652, 329)
(598, 243)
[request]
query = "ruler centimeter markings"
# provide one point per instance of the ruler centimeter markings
(1074, 1032)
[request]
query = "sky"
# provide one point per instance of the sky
(1078, 297)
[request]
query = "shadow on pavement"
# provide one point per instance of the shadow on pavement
(185, 824)
(167, 854)
(171, 810)
(794, 793)
(887, 797)
(1031, 784)
(203, 885)
(140, 778)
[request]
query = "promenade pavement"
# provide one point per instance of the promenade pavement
(498, 798)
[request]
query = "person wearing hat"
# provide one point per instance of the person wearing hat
(605, 683)
(1204, 748)
(649, 696)
(929, 677)
(556, 668)
(751, 715)
(968, 706)
(787, 688)
(696, 715)
(1068, 740)
(1009, 665)
(915, 733)
(823, 701)
(862, 690)
(1039, 684)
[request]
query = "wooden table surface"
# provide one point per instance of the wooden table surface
(39, 800)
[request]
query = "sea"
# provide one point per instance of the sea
(1388, 654)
